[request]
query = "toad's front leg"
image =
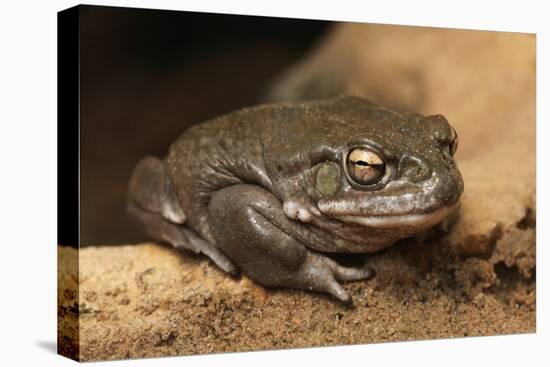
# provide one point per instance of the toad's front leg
(250, 227)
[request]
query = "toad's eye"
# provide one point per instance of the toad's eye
(453, 142)
(364, 166)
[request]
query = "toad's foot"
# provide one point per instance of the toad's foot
(323, 274)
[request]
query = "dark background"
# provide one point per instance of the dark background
(146, 75)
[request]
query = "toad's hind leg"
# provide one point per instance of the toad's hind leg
(249, 225)
(153, 204)
(151, 189)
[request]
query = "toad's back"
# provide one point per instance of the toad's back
(215, 154)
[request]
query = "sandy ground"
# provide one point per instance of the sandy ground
(149, 300)
(479, 279)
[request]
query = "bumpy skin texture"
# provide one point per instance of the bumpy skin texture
(268, 189)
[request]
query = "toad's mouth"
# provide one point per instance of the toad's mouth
(404, 206)
(406, 220)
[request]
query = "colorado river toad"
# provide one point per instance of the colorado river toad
(270, 189)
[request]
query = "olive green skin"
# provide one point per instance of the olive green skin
(266, 189)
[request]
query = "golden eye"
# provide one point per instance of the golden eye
(364, 166)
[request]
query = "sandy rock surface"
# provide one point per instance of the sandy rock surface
(479, 279)
(149, 300)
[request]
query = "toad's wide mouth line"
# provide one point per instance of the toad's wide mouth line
(423, 220)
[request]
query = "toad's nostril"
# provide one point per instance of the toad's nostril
(414, 169)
